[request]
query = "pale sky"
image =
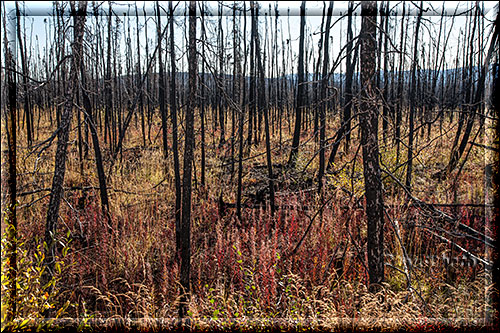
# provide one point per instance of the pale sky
(38, 21)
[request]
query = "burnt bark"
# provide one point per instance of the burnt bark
(300, 89)
(175, 148)
(369, 141)
(185, 234)
(79, 16)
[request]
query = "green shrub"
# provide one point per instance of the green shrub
(35, 295)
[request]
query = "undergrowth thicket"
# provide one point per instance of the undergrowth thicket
(243, 269)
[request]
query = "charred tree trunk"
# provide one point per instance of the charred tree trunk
(369, 141)
(458, 151)
(242, 118)
(412, 103)
(175, 148)
(161, 86)
(89, 119)
(185, 234)
(264, 109)
(27, 108)
(11, 250)
(56, 193)
(138, 81)
(323, 101)
(300, 89)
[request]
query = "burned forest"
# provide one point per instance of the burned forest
(249, 165)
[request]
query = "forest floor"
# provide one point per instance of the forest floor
(248, 270)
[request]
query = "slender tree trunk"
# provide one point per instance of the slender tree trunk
(345, 127)
(203, 101)
(369, 141)
(175, 148)
(161, 96)
(264, 109)
(97, 150)
(316, 75)
(385, 106)
(400, 86)
(27, 106)
(300, 89)
(56, 193)
(242, 119)
(220, 104)
(138, 80)
(457, 151)
(323, 101)
(412, 103)
(252, 102)
(185, 234)
(11, 250)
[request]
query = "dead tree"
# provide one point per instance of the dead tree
(185, 234)
(413, 88)
(89, 119)
(173, 113)
(263, 108)
(11, 251)
(161, 77)
(323, 101)
(79, 16)
(369, 141)
(300, 89)
(138, 80)
(27, 107)
(242, 80)
(458, 150)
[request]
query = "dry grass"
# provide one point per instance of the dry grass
(243, 271)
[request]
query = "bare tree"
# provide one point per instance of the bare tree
(323, 101)
(413, 101)
(11, 251)
(369, 141)
(161, 77)
(79, 16)
(185, 234)
(300, 89)
(27, 105)
(173, 113)
(264, 109)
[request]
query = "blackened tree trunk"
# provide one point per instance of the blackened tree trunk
(400, 86)
(369, 142)
(316, 75)
(412, 102)
(300, 89)
(185, 234)
(242, 118)
(175, 148)
(457, 152)
(351, 63)
(220, 77)
(138, 81)
(323, 101)
(108, 91)
(11, 251)
(263, 108)
(385, 110)
(56, 193)
(89, 119)
(27, 108)
(203, 101)
(161, 86)
(345, 127)
(252, 101)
